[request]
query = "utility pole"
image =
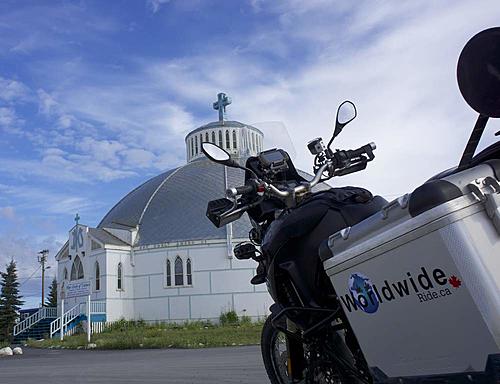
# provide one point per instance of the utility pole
(42, 259)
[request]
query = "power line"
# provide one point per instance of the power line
(25, 281)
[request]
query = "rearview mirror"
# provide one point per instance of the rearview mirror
(215, 153)
(346, 113)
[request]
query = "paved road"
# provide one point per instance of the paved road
(211, 365)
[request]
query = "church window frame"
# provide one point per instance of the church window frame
(178, 272)
(97, 278)
(189, 273)
(206, 137)
(201, 141)
(168, 274)
(77, 272)
(234, 140)
(192, 146)
(213, 137)
(228, 141)
(196, 145)
(119, 277)
(65, 274)
(220, 138)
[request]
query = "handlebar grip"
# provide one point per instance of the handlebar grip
(242, 190)
(364, 150)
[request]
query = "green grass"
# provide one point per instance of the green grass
(132, 334)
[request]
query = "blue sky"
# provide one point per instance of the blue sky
(97, 96)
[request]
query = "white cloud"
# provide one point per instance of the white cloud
(155, 5)
(13, 91)
(9, 121)
(47, 104)
(44, 200)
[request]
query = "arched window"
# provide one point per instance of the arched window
(213, 137)
(168, 273)
(119, 277)
(234, 139)
(228, 143)
(188, 272)
(179, 273)
(206, 137)
(253, 141)
(77, 269)
(220, 139)
(65, 274)
(97, 277)
(201, 140)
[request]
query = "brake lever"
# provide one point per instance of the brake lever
(352, 168)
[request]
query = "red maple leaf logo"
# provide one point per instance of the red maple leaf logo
(455, 281)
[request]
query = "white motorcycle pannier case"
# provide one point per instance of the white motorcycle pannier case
(420, 280)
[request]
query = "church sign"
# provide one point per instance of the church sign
(77, 289)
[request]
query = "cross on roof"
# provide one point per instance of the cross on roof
(77, 218)
(220, 105)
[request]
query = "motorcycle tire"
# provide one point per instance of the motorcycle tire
(274, 353)
(275, 357)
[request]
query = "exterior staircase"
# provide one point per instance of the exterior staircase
(36, 326)
(75, 316)
(45, 323)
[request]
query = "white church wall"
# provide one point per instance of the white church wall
(201, 284)
(254, 304)
(157, 288)
(141, 286)
(242, 264)
(179, 308)
(203, 307)
(231, 281)
(209, 258)
(216, 279)
(119, 302)
(151, 309)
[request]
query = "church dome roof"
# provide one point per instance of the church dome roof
(171, 206)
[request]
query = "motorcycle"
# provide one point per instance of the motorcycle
(422, 302)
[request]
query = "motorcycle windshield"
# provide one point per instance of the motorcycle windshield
(275, 135)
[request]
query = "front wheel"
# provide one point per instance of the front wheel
(274, 353)
(320, 367)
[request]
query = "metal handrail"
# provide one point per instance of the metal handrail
(27, 323)
(74, 312)
(68, 317)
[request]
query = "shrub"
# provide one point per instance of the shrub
(245, 320)
(229, 318)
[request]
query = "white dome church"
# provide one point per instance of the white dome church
(155, 256)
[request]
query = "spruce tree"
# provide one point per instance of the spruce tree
(10, 301)
(52, 298)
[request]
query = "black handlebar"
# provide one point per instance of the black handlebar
(244, 189)
(241, 190)
(364, 150)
